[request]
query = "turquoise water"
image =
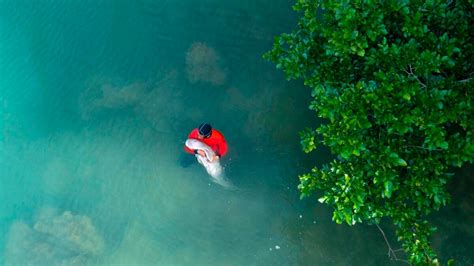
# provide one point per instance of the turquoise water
(97, 98)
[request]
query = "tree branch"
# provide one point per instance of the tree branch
(410, 73)
(465, 80)
(423, 148)
(392, 254)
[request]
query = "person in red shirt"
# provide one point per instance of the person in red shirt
(211, 137)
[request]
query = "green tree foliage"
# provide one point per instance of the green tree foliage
(393, 81)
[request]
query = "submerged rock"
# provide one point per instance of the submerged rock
(202, 64)
(108, 94)
(54, 239)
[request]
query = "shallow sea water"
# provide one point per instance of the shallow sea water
(97, 98)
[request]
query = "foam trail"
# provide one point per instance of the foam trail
(214, 169)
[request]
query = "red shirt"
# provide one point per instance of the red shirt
(216, 142)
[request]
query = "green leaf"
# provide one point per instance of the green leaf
(361, 52)
(406, 96)
(444, 145)
(401, 162)
(388, 189)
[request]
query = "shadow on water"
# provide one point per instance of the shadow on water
(455, 235)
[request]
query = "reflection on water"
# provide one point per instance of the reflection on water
(97, 100)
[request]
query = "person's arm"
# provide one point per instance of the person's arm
(192, 135)
(222, 150)
(188, 150)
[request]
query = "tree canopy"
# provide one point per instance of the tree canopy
(393, 83)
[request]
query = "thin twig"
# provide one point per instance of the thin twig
(410, 73)
(392, 254)
(423, 148)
